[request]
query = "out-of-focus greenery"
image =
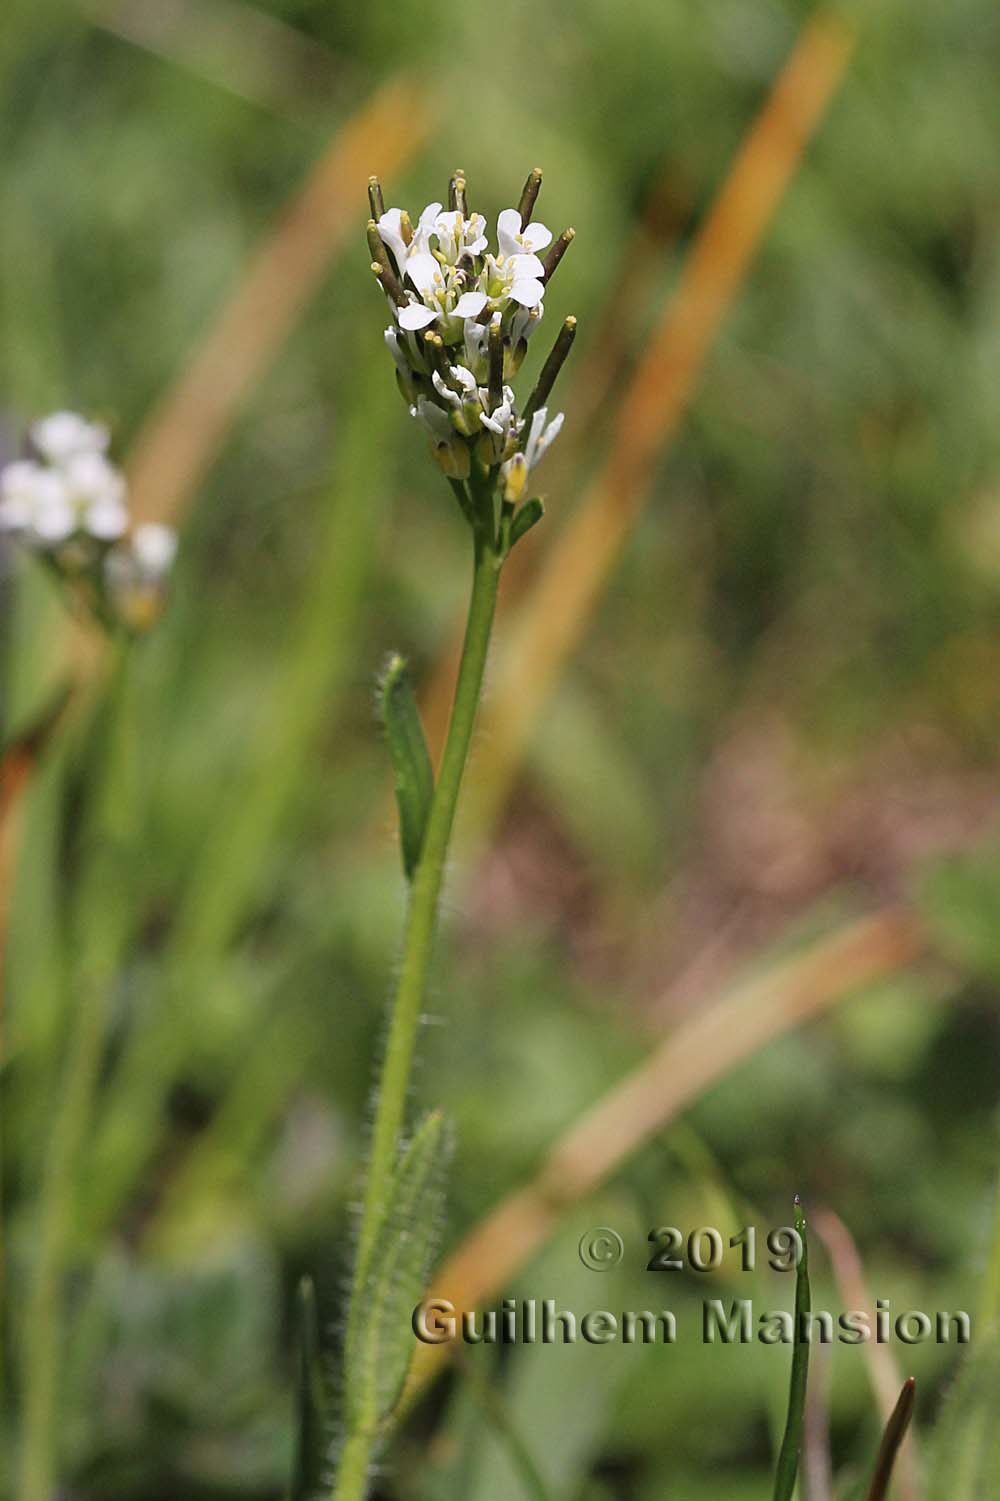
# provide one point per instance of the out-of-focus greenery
(785, 710)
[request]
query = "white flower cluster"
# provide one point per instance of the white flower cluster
(462, 317)
(69, 504)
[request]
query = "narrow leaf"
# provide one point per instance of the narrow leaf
(791, 1443)
(525, 518)
(892, 1439)
(310, 1398)
(965, 1449)
(381, 1340)
(411, 762)
(494, 1409)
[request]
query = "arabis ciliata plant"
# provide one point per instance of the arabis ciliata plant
(462, 314)
(68, 505)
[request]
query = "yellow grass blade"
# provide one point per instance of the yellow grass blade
(183, 435)
(552, 619)
(883, 1372)
(702, 1050)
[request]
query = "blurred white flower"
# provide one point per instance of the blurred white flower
(63, 435)
(155, 547)
(34, 503)
(73, 508)
(135, 573)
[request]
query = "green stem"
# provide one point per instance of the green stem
(394, 1079)
(101, 939)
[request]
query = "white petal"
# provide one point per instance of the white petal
(414, 315)
(465, 378)
(392, 235)
(508, 232)
(444, 390)
(22, 477)
(427, 219)
(470, 304)
(155, 546)
(54, 521)
(106, 519)
(65, 434)
(525, 265)
(89, 477)
(527, 292)
(536, 237)
(548, 437)
(424, 272)
(15, 514)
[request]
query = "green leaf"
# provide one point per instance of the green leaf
(791, 1443)
(310, 1398)
(964, 1461)
(381, 1342)
(411, 762)
(525, 518)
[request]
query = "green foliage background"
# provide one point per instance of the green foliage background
(785, 711)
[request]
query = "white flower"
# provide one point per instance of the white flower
(97, 490)
(390, 228)
(541, 436)
(429, 263)
(515, 471)
(463, 378)
(34, 503)
(502, 420)
(63, 435)
(135, 571)
(458, 235)
(515, 241)
(155, 547)
(77, 491)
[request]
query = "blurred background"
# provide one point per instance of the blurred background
(740, 744)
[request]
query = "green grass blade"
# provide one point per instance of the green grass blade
(791, 1443)
(494, 1409)
(310, 1398)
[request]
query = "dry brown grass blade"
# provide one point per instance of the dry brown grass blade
(554, 615)
(702, 1050)
(853, 1290)
(184, 433)
(893, 1439)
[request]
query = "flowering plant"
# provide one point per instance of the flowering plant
(462, 316)
(69, 506)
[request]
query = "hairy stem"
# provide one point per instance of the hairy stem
(408, 1004)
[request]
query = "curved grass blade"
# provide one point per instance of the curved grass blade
(791, 1443)
(310, 1398)
(892, 1439)
(965, 1451)
(411, 762)
(494, 1409)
